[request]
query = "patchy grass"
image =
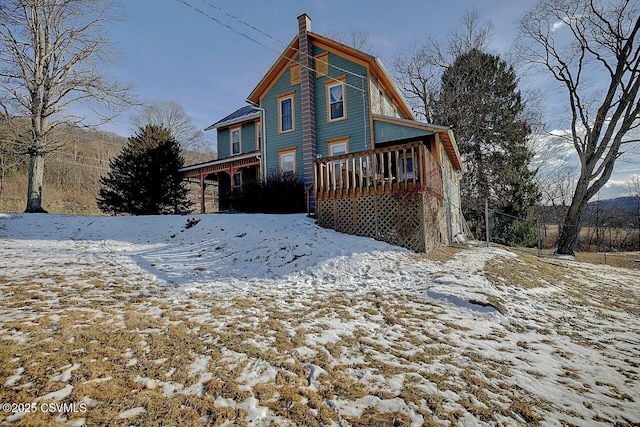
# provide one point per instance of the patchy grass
(305, 357)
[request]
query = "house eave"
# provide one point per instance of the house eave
(220, 161)
(245, 119)
(445, 133)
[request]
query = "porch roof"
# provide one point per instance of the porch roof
(380, 123)
(222, 165)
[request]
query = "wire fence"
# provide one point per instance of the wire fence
(599, 244)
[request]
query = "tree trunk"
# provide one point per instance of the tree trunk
(36, 178)
(570, 230)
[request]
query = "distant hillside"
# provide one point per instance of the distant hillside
(618, 212)
(72, 173)
(624, 205)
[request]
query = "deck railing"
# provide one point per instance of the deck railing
(378, 171)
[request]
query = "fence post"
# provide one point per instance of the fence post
(538, 235)
(486, 219)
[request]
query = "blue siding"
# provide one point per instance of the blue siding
(276, 141)
(247, 137)
(356, 125)
(223, 143)
(386, 132)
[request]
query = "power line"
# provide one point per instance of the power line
(245, 23)
(62, 153)
(224, 25)
(208, 2)
(273, 38)
(81, 164)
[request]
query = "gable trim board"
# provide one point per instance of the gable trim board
(371, 63)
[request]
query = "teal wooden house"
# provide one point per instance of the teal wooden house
(332, 115)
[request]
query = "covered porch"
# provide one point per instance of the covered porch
(227, 174)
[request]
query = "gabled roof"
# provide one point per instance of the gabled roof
(371, 62)
(243, 114)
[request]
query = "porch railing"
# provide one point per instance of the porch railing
(378, 171)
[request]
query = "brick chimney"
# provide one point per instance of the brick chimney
(307, 102)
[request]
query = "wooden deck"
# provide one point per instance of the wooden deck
(393, 194)
(380, 171)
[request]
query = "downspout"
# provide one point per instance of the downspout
(264, 138)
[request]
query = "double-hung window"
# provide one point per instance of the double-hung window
(338, 147)
(288, 162)
(258, 136)
(285, 113)
(336, 101)
(235, 141)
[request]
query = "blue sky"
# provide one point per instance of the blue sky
(171, 52)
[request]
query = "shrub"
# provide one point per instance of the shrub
(279, 194)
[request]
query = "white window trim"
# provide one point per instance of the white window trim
(258, 135)
(333, 145)
(239, 129)
(281, 156)
(328, 87)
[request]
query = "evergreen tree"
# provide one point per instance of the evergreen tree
(480, 100)
(144, 178)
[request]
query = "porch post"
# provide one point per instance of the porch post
(203, 187)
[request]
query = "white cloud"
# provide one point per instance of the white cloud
(557, 25)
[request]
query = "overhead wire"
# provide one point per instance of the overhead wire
(186, 3)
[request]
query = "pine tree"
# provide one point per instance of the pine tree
(144, 178)
(480, 100)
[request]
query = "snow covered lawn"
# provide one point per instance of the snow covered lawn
(262, 320)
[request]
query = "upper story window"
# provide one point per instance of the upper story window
(258, 135)
(286, 117)
(336, 100)
(235, 141)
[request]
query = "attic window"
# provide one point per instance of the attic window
(322, 65)
(295, 74)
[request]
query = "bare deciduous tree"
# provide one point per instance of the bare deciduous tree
(51, 56)
(172, 116)
(557, 188)
(418, 68)
(418, 75)
(592, 48)
(356, 39)
(634, 191)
